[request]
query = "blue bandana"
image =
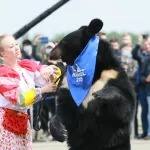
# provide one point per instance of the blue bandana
(80, 75)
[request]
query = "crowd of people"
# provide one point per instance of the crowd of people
(135, 59)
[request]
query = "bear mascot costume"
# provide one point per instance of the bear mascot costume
(95, 102)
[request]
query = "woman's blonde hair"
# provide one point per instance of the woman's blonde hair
(2, 37)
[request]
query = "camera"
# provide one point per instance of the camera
(145, 36)
(44, 40)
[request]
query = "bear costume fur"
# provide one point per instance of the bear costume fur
(102, 121)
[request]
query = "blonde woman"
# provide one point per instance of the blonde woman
(17, 92)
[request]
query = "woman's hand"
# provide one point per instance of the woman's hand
(140, 39)
(49, 88)
(37, 40)
(49, 73)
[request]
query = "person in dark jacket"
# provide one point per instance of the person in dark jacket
(139, 53)
(145, 79)
(143, 87)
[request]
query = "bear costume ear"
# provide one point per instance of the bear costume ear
(95, 26)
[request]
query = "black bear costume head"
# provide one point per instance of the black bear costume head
(72, 45)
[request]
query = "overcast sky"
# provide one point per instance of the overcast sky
(118, 15)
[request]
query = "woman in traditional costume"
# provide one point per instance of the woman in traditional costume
(17, 93)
